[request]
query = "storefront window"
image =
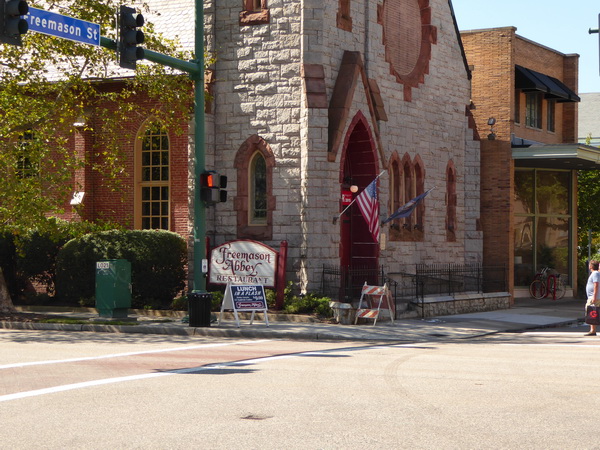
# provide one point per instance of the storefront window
(542, 222)
(524, 260)
(552, 192)
(552, 243)
(524, 192)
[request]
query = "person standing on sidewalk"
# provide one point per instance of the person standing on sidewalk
(592, 291)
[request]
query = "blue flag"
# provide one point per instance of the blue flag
(407, 209)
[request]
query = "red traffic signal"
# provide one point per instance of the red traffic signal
(212, 187)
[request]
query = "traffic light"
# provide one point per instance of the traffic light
(12, 25)
(130, 37)
(212, 187)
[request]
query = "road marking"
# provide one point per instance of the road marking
(208, 367)
(145, 376)
(119, 355)
(214, 366)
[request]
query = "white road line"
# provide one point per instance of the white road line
(119, 355)
(145, 376)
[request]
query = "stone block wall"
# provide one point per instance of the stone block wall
(259, 89)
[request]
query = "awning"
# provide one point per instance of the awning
(529, 80)
(558, 156)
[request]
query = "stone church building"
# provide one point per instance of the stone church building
(311, 101)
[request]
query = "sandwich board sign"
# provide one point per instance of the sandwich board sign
(244, 297)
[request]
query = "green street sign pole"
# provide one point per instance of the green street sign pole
(199, 154)
(196, 70)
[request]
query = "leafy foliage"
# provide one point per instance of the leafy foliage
(31, 256)
(300, 304)
(157, 260)
(46, 85)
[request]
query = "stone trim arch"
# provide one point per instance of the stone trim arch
(244, 155)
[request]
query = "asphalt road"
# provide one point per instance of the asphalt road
(90, 390)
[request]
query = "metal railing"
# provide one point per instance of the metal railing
(412, 283)
(344, 283)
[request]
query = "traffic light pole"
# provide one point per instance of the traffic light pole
(199, 206)
(196, 70)
(597, 30)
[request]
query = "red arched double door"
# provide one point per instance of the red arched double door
(359, 166)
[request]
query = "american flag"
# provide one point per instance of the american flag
(369, 207)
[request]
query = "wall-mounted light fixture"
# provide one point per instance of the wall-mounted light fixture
(82, 118)
(491, 122)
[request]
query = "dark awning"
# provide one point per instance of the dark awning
(529, 80)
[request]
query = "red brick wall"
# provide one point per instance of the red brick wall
(497, 185)
(105, 202)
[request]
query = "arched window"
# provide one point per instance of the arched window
(152, 174)
(409, 189)
(395, 187)
(450, 201)
(258, 190)
(419, 219)
(254, 201)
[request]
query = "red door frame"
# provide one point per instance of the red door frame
(358, 166)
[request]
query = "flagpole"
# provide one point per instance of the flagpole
(336, 218)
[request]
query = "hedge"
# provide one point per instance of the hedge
(157, 258)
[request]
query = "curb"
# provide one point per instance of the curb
(199, 331)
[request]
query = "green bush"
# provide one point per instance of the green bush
(217, 300)
(308, 304)
(31, 256)
(157, 265)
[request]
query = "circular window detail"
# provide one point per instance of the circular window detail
(407, 38)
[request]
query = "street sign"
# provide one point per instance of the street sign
(65, 27)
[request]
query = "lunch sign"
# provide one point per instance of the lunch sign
(244, 297)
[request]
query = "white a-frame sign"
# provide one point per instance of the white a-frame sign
(244, 297)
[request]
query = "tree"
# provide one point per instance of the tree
(588, 212)
(48, 83)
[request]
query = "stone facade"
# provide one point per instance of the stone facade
(277, 81)
(330, 91)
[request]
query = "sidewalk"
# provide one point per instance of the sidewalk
(525, 314)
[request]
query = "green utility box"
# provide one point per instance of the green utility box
(113, 287)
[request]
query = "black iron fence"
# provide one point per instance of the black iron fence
(411, 284)
(344, 284)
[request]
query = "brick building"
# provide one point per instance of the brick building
(524, 98)
(309, 99)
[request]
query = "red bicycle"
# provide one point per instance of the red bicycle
(546, 284)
